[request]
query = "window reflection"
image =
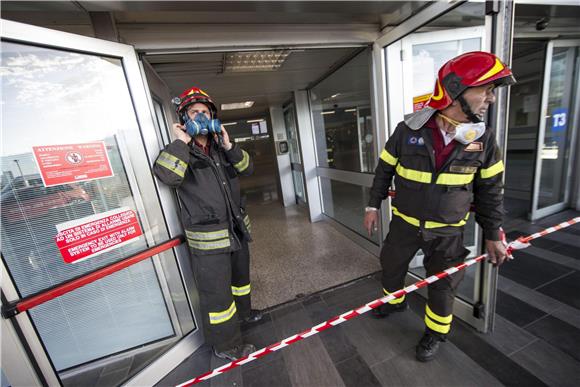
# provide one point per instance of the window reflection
(342, 118)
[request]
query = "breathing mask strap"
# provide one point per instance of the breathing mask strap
(467, 110)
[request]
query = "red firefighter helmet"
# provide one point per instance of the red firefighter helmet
(471, 69)
(191, 96)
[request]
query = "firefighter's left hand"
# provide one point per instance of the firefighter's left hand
(496, 252)
(227, 145)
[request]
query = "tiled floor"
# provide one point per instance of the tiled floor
(292, 257)
(536, 340)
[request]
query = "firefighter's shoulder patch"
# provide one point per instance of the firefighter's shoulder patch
(476, 146)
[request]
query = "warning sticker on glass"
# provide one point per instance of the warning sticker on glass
(93, 235)
(70, 163)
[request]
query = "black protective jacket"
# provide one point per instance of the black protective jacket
(208, 187)
(438, 202)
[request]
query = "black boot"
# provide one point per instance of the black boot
(386, 309)
(429, 345)
(254, 316)
(236, 352)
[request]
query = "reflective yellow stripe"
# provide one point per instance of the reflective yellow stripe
(408, 219)
(454, 179)
(444, 329)
(172, 163)
(388, 158)
(496, 168)
(431, 224)
(207, 236)
(428, 224)
(241, 291)
(172, 167)
(497, 67)
(414, 175)
(435, 317)
(247, 223)
(211, 245)
(242, 165)
(221, 317)
(396, 300)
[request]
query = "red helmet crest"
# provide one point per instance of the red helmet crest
(191, 96)
(471, 69)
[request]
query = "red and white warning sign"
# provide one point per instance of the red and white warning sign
(70, 163)
(87, 237)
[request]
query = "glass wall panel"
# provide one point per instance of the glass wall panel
(346, 203)
(52, 98)
(341, 114)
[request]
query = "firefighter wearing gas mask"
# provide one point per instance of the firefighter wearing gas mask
(442, 158)
(203, 165)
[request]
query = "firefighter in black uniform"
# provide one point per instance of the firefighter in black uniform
(443, 159)
(203, 165)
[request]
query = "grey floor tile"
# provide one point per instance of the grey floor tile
(554, 257)
(230, 378)
(559, 334)
(568, 314)
(490, 358)
(337, 344)
(378, 340)
(451, 368)
(507, 337)
(566, 289)
(530, 296)
(307, 361)
(267, 375)
(531, 271)
(517, 311)
(549, 364)
(355, 372)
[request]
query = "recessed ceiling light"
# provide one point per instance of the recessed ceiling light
(255, 60)
(328, 112)
(237, 105)
(229, 123)
(250, 121)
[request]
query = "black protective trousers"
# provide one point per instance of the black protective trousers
(223, 284)
(399, 248)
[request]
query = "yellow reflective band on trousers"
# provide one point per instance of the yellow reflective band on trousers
(454, 179)
(172, 163)
(414, 175)
(223, 316)
(396, 300)
(211, 240)
(428, 224)
(242, 165)
(241, 291)
(496, 168)
(388, 158)
(440, 324)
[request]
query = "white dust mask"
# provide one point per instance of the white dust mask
(466, 133)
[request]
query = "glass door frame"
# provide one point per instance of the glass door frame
(298, 167)
(498, 35)
(165, 267)
(536, 212)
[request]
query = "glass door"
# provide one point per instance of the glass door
(412, 66)
(558, 128)
(295, 160)
(77, 195)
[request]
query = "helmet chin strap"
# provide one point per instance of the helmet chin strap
(467, 110)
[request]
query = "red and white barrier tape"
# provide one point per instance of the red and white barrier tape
(518, 244)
